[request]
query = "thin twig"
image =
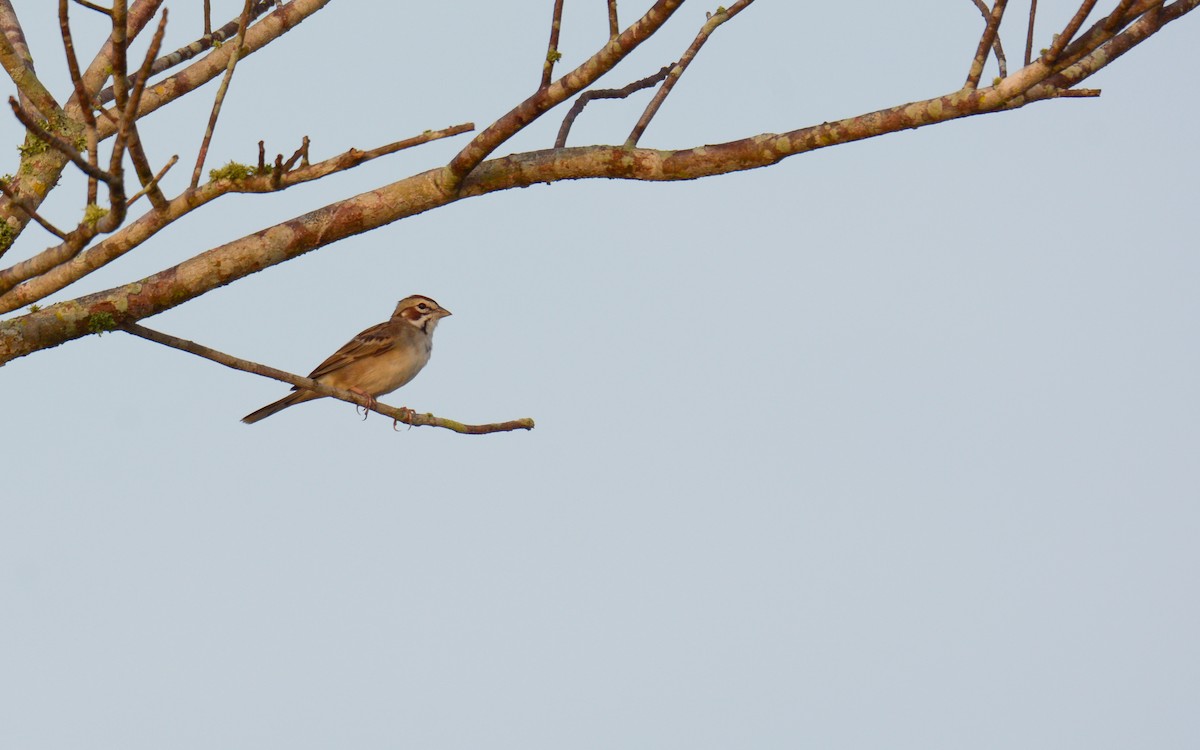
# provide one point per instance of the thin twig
(552, 53)
(407, 416)
(997, 48)
(152, 187)
(207, 17)
(1061, 41)
(985, 43)
(81, 96)
(32, 213)
(621, 93)
(716, 19)
(1080, 93)
(137, 153)
(93, 6)
(614, 28)
(216, 108)
(1029, 33)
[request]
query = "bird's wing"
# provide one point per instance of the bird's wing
(370, 343)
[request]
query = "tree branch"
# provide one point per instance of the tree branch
(1061, 41)
(997, 48)
(220, 97)
(1029, 32)
(552, 53)
(621, 93)
(407, 416)
(985, 43)
(20, 70)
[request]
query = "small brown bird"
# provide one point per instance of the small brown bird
(377, 361)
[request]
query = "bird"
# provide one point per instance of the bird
(377, 361)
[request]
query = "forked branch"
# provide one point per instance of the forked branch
(985, 43)
(621, 93)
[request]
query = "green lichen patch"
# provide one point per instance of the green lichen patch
(231, 171)
(93, 213)
(99, 323)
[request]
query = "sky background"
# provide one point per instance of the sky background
(890, 445)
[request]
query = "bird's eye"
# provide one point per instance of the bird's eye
(422, 307)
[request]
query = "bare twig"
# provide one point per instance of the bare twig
(985, 43)
(552, 53)
(621, 93)
(216, 108)
(997, 48)
(407, 416)
(716, 19)
(207, 17)
(22, 204)
(205, 42)
(81, 96)
(1114, 19)
(1080, 93)
(152, 187)
(1061, 41)
(614, 27)
(1029, 33)
(93, 6)
(137, 153)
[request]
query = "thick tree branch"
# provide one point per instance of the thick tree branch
(20, 70)
(407, 416)
(22, 204)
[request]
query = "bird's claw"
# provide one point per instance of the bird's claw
(408, 416)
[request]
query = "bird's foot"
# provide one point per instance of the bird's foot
(407, 418)
(368, 403)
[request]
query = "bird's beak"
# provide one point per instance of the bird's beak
(446, 313)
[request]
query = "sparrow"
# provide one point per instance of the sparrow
(377, 361)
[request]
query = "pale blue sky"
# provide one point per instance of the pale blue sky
(890, 445)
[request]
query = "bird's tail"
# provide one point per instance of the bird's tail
(289, 400)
